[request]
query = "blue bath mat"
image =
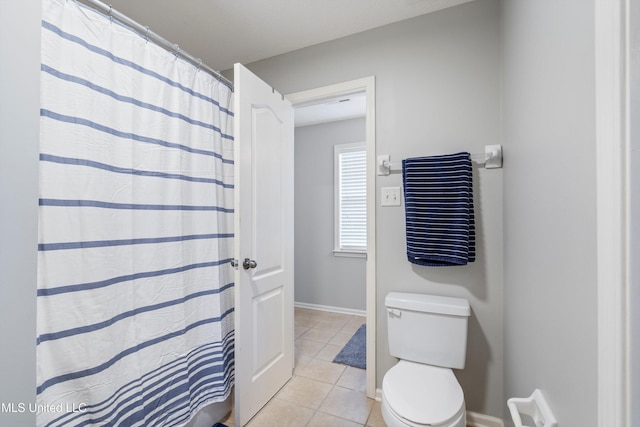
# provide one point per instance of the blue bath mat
(218, 425)
(354, 353)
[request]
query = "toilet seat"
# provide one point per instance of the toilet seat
(419, 394)
(392, 419)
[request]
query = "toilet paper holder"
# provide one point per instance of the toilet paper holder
(534, 406)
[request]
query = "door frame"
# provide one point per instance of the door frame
(317, 96)
(612, 60)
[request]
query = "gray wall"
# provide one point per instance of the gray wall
(550, 205)
(437, 92)
(19, 135)
(320, 277)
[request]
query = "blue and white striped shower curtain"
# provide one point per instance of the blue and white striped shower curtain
(135, 290)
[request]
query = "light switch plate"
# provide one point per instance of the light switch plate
(390, 196)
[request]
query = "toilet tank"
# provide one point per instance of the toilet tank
(428, 329)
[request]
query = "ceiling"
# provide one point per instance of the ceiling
(223, 32)
(342, 108)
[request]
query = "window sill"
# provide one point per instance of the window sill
(349, 254)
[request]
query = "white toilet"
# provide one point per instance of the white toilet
(429, 335)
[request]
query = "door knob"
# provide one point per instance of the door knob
(249, 263)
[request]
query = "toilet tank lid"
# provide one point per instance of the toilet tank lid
(428, 303)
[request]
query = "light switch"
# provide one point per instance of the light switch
(390, 196)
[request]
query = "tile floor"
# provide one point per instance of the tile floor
(321, 393)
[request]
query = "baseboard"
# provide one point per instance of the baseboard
(329, 308)
(475, 419)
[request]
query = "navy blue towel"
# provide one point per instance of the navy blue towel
(438, 194)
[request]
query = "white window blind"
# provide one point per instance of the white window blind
(351, 198)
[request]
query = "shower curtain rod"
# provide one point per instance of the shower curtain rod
(146, 32)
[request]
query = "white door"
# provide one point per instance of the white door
(264, 335)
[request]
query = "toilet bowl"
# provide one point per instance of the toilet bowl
(428, 334)
(418, 395)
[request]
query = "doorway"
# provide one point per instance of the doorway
(366, 88)
(330, 206)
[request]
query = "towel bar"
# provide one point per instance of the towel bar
(490, 159)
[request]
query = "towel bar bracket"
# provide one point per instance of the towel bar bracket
(384, 164)
(493, 156)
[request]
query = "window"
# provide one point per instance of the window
(350, 199)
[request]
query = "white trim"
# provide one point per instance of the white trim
(475, 419)
(611, 145)
(349, 254)
(315, 96)
(331, 309)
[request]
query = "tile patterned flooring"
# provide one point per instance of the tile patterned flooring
(321, 393)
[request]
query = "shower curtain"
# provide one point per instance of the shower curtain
(135, 289)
